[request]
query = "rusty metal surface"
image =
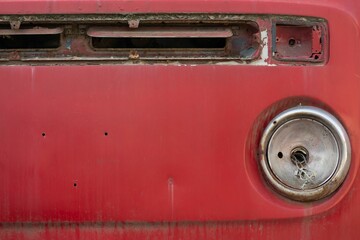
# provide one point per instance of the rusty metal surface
(241, 37)
(248, 36)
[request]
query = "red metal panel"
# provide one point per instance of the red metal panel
(177, 143)
(174, 149)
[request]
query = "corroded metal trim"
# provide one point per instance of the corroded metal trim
(173, 17)
(77, 46)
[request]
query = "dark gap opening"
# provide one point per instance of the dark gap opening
(158, 42)
(299, 155)
(29, 41)
(292, 42)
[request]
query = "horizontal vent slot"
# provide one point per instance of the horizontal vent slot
(162, 38)
(154, 43)
(165, 32)
(33, 38)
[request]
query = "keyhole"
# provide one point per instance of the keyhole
(299, 156)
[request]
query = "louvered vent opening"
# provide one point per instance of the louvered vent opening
(29, 37)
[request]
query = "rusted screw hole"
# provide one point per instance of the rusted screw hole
(280, 154)
(292, 42)
(299, 155)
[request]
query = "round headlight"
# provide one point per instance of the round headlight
(305, 153)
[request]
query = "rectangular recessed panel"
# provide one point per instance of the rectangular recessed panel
(179, 41)
(299, 42)
(213, 38)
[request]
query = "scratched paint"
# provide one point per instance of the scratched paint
(189, 121)
(264, 57)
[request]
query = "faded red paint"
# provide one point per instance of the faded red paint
(180, 139)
